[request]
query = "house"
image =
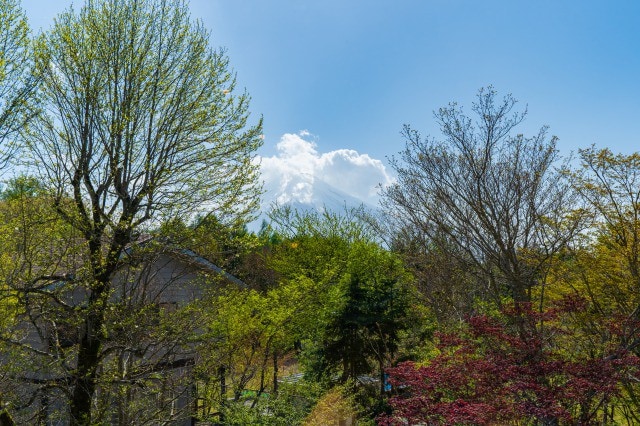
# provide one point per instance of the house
(148, 353)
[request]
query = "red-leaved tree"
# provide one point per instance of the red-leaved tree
(517, 367)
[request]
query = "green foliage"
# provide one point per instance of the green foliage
(358, 297)
(22, 187)
(227, 245)
(350, 225)
(35, 248)
(146, 112)
(16, 83)
(362, 333)
(142, 131)
(141, 123)
(604, 264)
(338, 300)
(247, 329)
(339, 404)
(290, 406)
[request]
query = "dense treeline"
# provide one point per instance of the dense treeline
(499, 283)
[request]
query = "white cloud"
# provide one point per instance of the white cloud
(299, 173)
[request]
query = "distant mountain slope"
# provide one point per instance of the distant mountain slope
(301, 176)
(305, 192)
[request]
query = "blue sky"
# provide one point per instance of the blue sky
(352, 72)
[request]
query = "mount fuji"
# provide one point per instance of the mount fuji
(301, 177)
(306, 193)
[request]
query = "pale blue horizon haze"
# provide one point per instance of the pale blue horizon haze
(335, 80)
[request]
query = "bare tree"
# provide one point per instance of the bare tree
(140, 123)
(489, 198)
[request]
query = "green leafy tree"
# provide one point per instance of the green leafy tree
(362, 336)
(338, 303)
(249, 333)
(22, 187)
(16, 81)
(290, 406)
(359, 297)
(605, 265)
(142, 124)
(35, 247)
(230, 246)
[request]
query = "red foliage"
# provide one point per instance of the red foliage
(505, 370)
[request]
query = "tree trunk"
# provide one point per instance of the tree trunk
(382, 377)
(88, 359)
(223, 393)
(275, 372)
(5, 419)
